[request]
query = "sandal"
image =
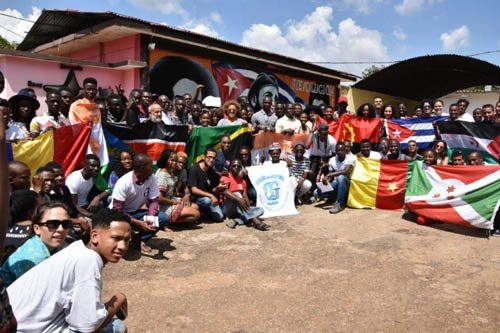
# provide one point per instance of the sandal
(145, 248)
(260, 226)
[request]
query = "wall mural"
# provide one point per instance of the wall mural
(174, 74)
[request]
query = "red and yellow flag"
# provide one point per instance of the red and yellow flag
(378, 184)
(354, 128)
(66, 145)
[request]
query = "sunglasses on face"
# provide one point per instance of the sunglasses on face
(54, 224)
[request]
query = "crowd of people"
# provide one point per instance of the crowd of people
(63, 230)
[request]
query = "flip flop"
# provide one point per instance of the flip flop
(145, 248)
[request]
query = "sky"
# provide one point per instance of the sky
(341, 31)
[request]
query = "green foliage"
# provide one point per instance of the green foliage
(371, 70)
(5, 44)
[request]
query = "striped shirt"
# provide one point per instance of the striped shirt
(299, 167)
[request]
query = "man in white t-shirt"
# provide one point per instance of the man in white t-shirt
(288, 124)
(339, 167)
(136, 189)
(80, 183)
(63, 293)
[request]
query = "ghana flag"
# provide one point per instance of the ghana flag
(377, 184)
(466, 195)
(468, 136)
(202, 138)
(66, 145)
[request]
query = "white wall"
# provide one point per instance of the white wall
(476, 100)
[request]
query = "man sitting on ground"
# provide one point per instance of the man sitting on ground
(63, 293)
(204, 184)
(136, 189)
(340, 166)
(80, 184)
(299, 167)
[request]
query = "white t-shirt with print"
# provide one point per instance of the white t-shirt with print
(132, 194)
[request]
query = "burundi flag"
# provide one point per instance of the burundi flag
(202, 138)
(377, 184)
(468, 136)
(422, 131)
(463, 195)
(66, 145)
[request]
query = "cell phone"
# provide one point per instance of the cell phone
(152, 219)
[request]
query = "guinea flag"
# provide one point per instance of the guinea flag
(465, 195)
(468, 136)
(66, 145)
(377, 184)
(354, 128)
(202, 138)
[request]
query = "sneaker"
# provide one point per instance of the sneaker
(230, 223)
(337, 208)
(496, 233)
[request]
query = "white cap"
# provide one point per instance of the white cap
(212, 102)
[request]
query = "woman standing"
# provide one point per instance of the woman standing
(24, 108)
(441, 150)
(232, 111)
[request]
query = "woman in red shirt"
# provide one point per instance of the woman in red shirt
(236, 203)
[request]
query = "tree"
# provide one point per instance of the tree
(371, 70)
(5, 44)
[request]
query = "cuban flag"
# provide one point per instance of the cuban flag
(419, 129)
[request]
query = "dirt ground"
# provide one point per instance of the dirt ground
(357, 271)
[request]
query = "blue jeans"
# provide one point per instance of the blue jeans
(211, 212)
(340, 186)
(162, 221)
(232, 210)
(115, 326)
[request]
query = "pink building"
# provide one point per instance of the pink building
(117, 49)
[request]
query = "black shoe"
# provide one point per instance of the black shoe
(496, 233)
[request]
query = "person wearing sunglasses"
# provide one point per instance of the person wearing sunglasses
(236, 202)
(50, 227)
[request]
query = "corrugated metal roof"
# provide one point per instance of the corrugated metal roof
(431, 76)
(55, 24)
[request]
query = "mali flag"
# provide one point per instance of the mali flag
(466, 195)
(202, 138)
(66, 145)
(354, 128)
(377, 184)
